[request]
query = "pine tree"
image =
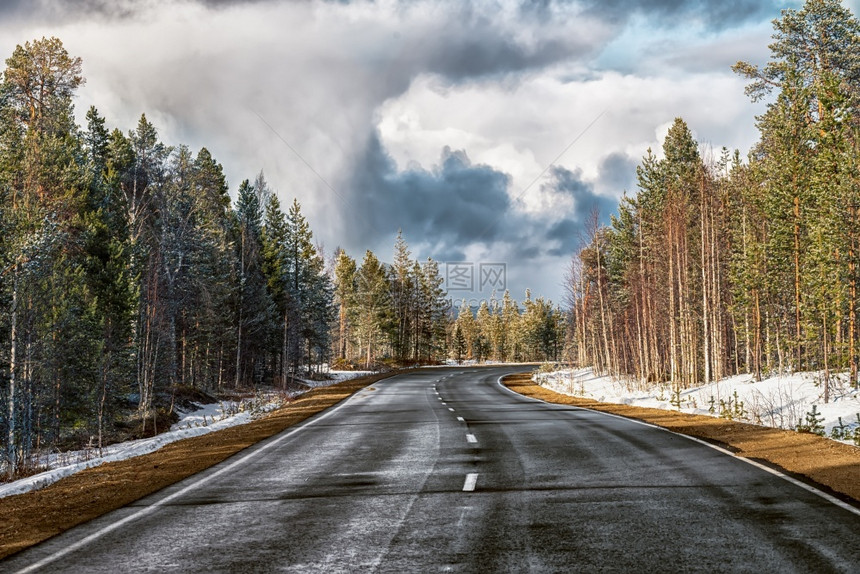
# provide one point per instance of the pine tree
(345, 297)
(374, 308)
(275, 268)
(509, 314)
(146, 170)
(434, 313)
(45, 183)
(459, 344)
(403, 287)
(253, 303)
(310, 290)
(207, 323)
(540, 330)
(815, 67)
(484, 324)
(468, 328)
(107, 270)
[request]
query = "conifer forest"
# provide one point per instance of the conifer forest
(131, 271)
(429, 285)
(720, 264)
(128, 274)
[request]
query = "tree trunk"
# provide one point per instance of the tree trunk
(797, 329)
(757, 351)
(852, 315)
(285, 368)
(673, 336)
(342, 331)
(238, 378)
(605, 335)
(706, 312)
(13, 358)
(826, 381)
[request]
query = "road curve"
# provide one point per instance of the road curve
(444, 470)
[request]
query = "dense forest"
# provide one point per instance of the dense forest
(717, 266)
(128, 274)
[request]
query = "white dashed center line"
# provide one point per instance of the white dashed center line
(471, 481)
(461, 419)
(471, 438)
(450, 409)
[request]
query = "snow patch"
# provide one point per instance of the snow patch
(779, 401)
(196, 422)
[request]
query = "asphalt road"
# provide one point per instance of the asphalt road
(446, 471)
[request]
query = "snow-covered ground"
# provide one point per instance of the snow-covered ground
(338, 377)
(781, 401)
(202, 420)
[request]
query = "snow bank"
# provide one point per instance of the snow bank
(199, 421)
(206, 419)
(339, 377)
(781, 401)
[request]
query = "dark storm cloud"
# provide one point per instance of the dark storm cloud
(715, 15)
(66, 10)
(586, 201)
(617, 172)
(459, 41)
(487, 53)
(566, 234)
(670, 13)
(55, 11)
(457, 204)
(8, 7)
(472, 44)
(450, 206)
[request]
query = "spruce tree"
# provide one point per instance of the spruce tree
(345, 298)
(253, 302)
(374, 308)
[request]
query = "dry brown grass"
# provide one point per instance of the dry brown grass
(27, 519)
(829, 464)
(30, 518)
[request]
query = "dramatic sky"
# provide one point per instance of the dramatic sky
(487, 131)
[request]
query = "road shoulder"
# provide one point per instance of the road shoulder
(30, 518)
(829, 465)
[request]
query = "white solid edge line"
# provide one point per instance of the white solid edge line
(471, 481)
(471, 438)
(154, 506)
(820, 493)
